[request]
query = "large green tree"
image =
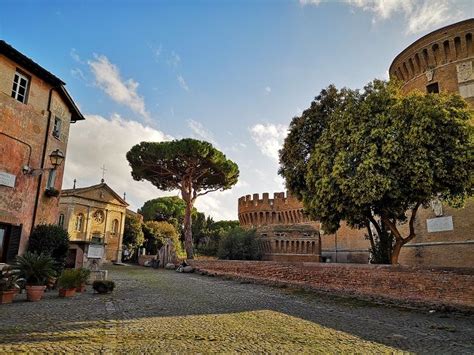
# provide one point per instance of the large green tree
(374, 157)
(133, 233)
(193, 167)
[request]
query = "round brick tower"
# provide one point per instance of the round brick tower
(286, 234)
(440, 61)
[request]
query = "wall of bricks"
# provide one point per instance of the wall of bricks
(414, 285)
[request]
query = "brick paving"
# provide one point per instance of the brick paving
(164, 311)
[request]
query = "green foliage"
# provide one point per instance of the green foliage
(103, 286)
(211, 235)
(36, 269)
(193, 167)
(52, 240)
(70, 278)
(156, 233)
(9, 278)
(84, 274)
(164, 209)
(133, 233)
(357, 156)
(239, 244)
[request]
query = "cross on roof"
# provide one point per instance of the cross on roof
(103, 172)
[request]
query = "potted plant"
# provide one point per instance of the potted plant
(103, 286)
(68, 282)
(83, 277)
(52, 192)
(8, 284)
(35, 269)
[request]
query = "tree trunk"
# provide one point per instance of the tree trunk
(396, 251)
(188, 234)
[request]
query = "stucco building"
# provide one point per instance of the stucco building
(36, 112)
(94, 216)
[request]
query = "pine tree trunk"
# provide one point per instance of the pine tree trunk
(188, 235)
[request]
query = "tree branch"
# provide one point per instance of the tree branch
(411, 224)
(205, 193)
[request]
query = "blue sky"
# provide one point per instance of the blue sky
(230, 72)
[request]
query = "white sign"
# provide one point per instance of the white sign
(95, 251)
(440, 224)
(7, 179)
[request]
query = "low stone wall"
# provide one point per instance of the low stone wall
(433, 287)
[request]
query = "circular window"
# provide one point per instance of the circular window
(98, 216)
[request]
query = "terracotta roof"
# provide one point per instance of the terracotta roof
(33, 67)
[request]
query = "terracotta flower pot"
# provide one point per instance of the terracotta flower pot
(7, 296)
(34, 293)
(67, 292)
(81, 288)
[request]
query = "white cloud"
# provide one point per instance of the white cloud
(174, 59)
(269, 138)
(74, 55)
(182, 82)
(97, 141)
(268, 90)
(420, 15)
(200, 132)
(78, 74)
(108, 78)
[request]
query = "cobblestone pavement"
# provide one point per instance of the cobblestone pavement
(164, 311)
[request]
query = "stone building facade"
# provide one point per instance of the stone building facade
(285, 232)
(441, 61)
(94, 216)
(36, 112)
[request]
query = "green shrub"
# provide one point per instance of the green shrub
(70, 278)
(103, 286)
(52, 240)
(36, 269)
(83, 275)
(239, 244)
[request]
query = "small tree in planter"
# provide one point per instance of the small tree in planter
(36, 269)
(83, 277)
(8, 284)
(52, 240)
(68, 282)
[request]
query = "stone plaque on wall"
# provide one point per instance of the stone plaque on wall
(465, 72)
(7, 179)
(95, 251)
(440, 224)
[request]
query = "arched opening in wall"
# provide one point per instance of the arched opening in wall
(260, 218)
(400, 73)
(432, 88)
(457, 47)
(115, 226)
(418, 63)
(436, 55)
(79, 222)
(469, 45)
(412, 67)
(405, 71)
(447, 51)
(287, 246)
(61, 220)
(313, 247)
(426, 58)
(297, 250)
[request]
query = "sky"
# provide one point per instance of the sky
(230, 72)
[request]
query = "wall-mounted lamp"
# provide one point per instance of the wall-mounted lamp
(56, 158)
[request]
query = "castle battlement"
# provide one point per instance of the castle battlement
(257, 210)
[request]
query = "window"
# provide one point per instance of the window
(57, 127)
(61, 220)
(20, 87)
(96, 239)
(51, 180)
(79, 222)
(115, 226)
(432, 88)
